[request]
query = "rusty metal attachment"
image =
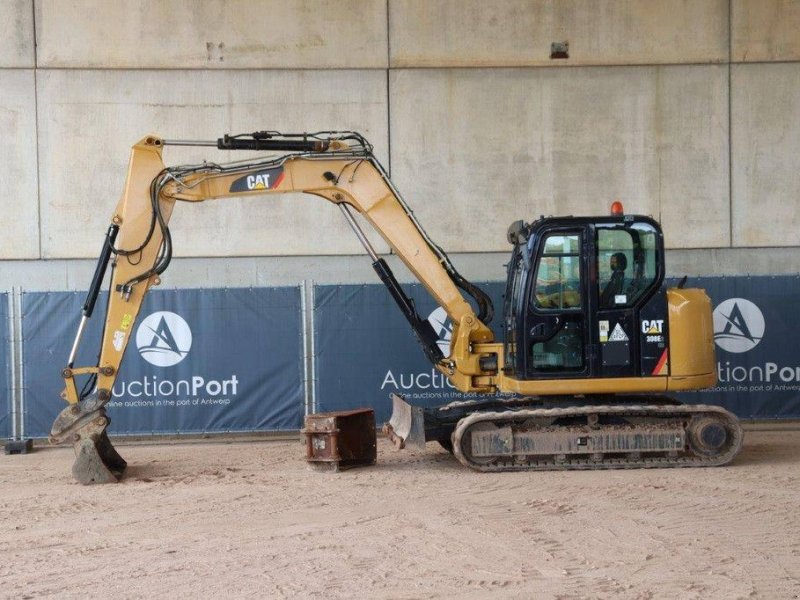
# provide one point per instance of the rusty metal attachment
(341, 440)
(84, 425)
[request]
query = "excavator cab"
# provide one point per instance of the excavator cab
(578, 295)
(593, 341)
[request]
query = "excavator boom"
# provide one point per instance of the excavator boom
(337, 166)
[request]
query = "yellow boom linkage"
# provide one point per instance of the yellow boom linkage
(339, 167)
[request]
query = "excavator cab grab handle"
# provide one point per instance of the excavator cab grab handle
(541, 333)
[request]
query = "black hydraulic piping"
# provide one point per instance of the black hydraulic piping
(94, 288)
(262, 141)
(423, 330)
(100, 270)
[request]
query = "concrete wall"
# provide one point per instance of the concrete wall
(563, 142)
(766, 186)
(686, 110)
(16, 34)
(765, 30)
(519, 33)
(80, 182)
(211, 34)
(19, 228)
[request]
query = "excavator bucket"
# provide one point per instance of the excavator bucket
(96, 459)
(406, 427)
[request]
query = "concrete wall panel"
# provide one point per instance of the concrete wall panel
(89, 120)
(224, 34)
(474, 150)
(16, 33)
(476, 33)
(765, 30)
(766, 154)
(19, 227)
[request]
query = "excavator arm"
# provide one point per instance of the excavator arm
(337, 166)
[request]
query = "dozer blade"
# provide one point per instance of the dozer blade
(96, 460)
(407, 424)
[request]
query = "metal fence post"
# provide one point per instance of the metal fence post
(12, 363)
(17, 444)
(309, 350)
(20, 367)
(304, 334)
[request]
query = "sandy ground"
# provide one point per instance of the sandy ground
(249, 519)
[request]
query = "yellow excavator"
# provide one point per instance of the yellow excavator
(593, 341)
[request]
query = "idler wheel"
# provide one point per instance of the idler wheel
(466, 444)
(708, 436)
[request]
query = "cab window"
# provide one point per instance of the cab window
(626, 263)
(558, 276)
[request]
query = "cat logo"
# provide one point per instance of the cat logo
(653, 327)
(258, 182)
(268, 179)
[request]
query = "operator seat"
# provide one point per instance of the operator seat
(615, 285)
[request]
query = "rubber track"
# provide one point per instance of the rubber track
(583, 462)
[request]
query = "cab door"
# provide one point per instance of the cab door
(628, 273)
(556, 326)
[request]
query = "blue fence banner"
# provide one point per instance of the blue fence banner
(6, 393)
(365, 349)
(756, 331)
(215, 360)
(232, 359)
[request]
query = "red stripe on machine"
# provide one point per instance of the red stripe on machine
(661, 362)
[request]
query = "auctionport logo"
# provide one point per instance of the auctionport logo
(427, 380)
(738, 325)
(164, 339)
(443, 328)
